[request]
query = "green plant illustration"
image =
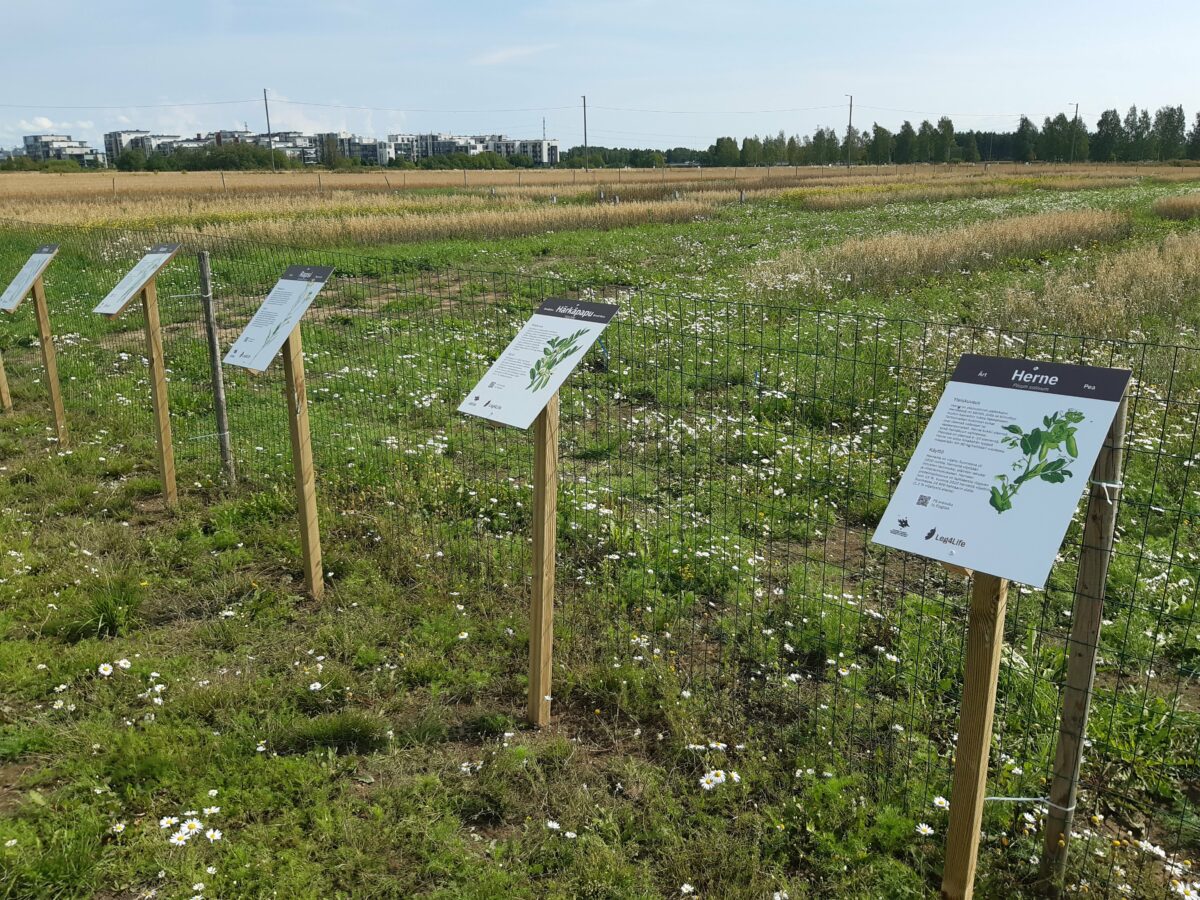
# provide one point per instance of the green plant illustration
(1048, 451)
(557, 349)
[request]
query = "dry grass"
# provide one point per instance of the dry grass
(475, 223)
(1183, 206)
(42, 186)
(902, 256)
(1119, 294)
(381, 205)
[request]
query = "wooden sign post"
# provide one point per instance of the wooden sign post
(302, 463)
(1098, 531)
(141, 281)
(985, 638)
(545, 533)
(5, 396)
(276, 326)
(49, 361)
(521, 389)
(29, 280)
(158, 393)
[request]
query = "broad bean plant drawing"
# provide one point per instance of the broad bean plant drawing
(557, 349)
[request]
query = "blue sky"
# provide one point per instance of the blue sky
(656, 74)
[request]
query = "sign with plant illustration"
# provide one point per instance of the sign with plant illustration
(1002, 464)
(136, 278)
(19, 288)
(278, 316)
(534, 365)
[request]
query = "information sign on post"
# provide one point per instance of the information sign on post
(29, 280)
(990, 491)
(19, 288)
(1002, 464)
(136, 279)
(141, 280)
(278, 317)
(520, 389)
(531, 369)
(276, 325)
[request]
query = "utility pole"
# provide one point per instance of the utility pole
(543, 128)
(270, 137)
(1074, 129)
(849, 131)
(585, 142)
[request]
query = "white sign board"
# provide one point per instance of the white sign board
(545, 351)
(136, 279)
(1001, 466)
(30, 272)
(279, 314)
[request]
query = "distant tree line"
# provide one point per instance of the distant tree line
(486, 160)
(230, 157)
(25, 164)
(1136, 137)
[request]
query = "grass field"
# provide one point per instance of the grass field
(726, 454)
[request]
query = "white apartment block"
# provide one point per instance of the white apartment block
(422, 146)
(117, 142)
(46, 147)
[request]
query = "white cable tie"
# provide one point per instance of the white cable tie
(1115, 485)
(1046, 800)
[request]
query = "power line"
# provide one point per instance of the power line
(420, 110)
(41, 106)
(718, 112)
(962, 115)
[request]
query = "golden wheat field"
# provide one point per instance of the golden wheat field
(396, 206)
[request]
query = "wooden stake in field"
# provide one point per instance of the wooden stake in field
(5, 396)
(545, 521)
(1098, 532)
(141, 281)
(276, 326)
(29, 280)
(985, 638)
(49, 361)
(302, 463)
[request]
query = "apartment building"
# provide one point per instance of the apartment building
(46, 147)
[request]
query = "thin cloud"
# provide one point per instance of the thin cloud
(511, 54)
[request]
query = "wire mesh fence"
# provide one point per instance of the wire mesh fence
(724, 464)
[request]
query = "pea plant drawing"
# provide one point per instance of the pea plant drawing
(557, 349)
(1047, 451)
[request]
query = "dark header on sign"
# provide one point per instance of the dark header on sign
(46, 250)
(581, 310)
(164, 248)
(307, 273)
(1042, 377)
